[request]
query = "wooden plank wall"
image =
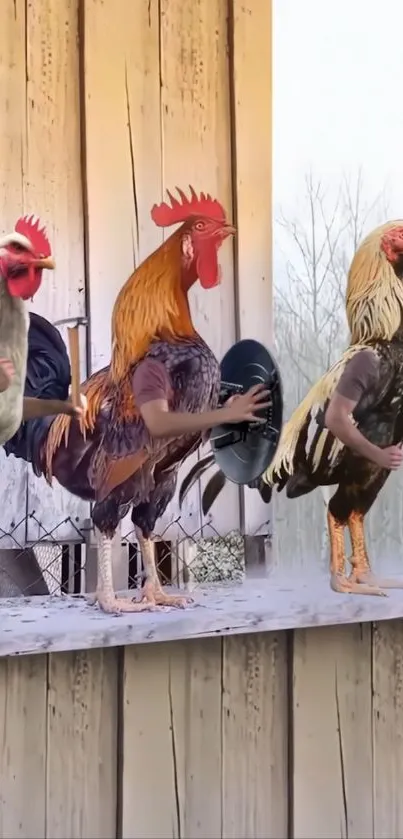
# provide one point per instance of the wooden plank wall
(106, 105)
(268, 736)
(52, 175)
(40, 172)
(251, 70)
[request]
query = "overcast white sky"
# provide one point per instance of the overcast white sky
(338, 95)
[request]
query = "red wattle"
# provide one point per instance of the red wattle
(207, 267)
(25, 285)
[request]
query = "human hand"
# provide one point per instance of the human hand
(243, 407)
(390, 458)
(7, 372)
(78, 410)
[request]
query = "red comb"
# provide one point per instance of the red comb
(28, 227)
(166, 214)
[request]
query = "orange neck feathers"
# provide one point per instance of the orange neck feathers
(151, 305)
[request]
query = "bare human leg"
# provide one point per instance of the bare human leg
(338, 580)
(105, 595)
(152, 592)
(361, 570)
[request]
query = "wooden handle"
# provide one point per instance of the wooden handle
(74, 346)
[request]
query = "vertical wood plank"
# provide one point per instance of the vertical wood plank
(149, 740)
(252, 144)
(255, 733)
(200, 749)
(52, 189)
(388, 728)
(172, 741)
(12, 136)
(82, 745)
(122, 114)
(332, 733)
(196, 145)
(23, 747)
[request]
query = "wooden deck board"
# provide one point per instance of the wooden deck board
(35, 625)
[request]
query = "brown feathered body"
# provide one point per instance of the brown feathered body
(109, 458)
(94, 466)
(319, 459)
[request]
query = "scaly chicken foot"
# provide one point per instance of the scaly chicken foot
(105, 595)
(361, 570)
(113, 605)
(339, 582)
(152, 592)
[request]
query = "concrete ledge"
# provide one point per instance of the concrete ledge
(35, 625)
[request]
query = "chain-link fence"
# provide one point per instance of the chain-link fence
(48, 566)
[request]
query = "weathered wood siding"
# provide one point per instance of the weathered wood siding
(292, 735)
(104, 106)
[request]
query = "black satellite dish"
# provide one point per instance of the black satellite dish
(243, 452)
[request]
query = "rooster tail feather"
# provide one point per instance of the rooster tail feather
(265, 490)
(195, 473)
(215, 485)
(283, 463)
(93, 389)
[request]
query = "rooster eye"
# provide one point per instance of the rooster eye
(17, 247)
(200, 225)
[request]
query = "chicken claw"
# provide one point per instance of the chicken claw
(368, 578)
(344, 585)
(153, 595)
(119, 605)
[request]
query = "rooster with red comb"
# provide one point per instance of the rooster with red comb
(24, 254)
(154, 404)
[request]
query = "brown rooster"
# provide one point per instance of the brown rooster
(149, 409)
(24, 254)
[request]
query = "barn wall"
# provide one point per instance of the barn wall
(295, 735)
(105, 106)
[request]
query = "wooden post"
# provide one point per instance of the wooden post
(251, 74)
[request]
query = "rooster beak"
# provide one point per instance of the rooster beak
(46, 262)
(229, 230)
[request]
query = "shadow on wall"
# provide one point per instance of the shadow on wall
(20, 574)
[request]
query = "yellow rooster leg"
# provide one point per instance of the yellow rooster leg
(338, 580)
(361, 570)
(152, 592)
(105, 594)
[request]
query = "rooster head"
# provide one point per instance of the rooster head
(392, 247)
(23, 256)
(374, 299)
(204, 228)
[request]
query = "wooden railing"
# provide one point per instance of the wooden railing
(267, 710)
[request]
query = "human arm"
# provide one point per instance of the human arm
(33, 408)
(360, 374)
(151, 388)
(338, 421)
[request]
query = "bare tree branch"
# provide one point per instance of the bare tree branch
(316, 249)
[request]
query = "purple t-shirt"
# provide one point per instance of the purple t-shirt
(359, 375)
(150, 381)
